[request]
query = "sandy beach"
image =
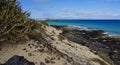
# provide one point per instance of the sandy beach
(35, 52)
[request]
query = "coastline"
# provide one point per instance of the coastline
(89, 29)
(111, 27)
(110, 34)
(28, 41)
(51, 49)
(96, 40)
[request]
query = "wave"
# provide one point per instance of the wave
(113, 34)
(79, 27)
(90, 29)
(82, 28)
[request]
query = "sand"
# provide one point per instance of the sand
(33, 51)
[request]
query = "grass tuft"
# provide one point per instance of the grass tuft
(106, 58)
(61, 38)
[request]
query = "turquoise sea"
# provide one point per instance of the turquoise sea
(112, 27)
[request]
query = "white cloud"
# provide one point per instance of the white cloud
(87, 15)
(96, 14)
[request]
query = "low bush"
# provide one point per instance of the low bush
(15, 24)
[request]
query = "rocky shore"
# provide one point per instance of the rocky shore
(27, 41)
(18, 60)
(99, 43)
(50, 49)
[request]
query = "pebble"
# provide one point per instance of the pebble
(41, 63)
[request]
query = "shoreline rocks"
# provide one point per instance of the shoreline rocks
(18, 60)
(95, 40)
(55, 51)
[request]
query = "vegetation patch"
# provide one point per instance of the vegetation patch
(106, 58)
(53, 32)
(44, 23)
(15, 24)
(99, 61)
(61, 38)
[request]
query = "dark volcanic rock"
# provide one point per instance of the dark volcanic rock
(88, 39)
(18, 60)
(1, 64)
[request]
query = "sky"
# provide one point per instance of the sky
(72, 9)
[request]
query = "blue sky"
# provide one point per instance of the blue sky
(72, 9)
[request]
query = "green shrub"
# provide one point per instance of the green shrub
(44, 23)
(14, 23)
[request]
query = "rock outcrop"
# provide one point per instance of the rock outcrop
(52, 49)
(18, 60)
(76, 54)
(98, 42)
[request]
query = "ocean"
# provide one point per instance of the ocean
(112, 27)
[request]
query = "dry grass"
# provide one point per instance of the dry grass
(106, 58)
(61, 38)
(99, 61)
